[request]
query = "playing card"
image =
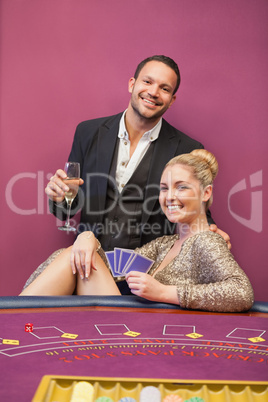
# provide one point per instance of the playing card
(110, 258)
(139, 263)
(122, 261)
(117, 253)
(125, 256)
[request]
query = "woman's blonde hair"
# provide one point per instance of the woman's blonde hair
(204, 166)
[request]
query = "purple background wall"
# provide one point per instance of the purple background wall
(64, 61)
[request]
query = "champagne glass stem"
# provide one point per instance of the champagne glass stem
(67, 223)
(72, 170)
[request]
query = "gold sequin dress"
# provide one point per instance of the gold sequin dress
(205, 273)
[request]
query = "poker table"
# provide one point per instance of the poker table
(121, 342)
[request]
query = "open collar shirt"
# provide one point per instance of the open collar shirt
(125, 165)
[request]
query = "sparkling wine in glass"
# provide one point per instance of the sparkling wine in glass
(72, 169)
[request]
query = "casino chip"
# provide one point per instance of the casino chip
(173, 398)
(149, 394)
(83, 392)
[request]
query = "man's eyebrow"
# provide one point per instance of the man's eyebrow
(148, 77)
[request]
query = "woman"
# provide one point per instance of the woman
(193, 268)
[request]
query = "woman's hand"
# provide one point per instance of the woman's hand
(83, 254)
(146, 286)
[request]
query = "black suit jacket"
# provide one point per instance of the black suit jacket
(93, 147)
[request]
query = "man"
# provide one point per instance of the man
(122, 158)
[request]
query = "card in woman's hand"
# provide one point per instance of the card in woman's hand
(122, 261)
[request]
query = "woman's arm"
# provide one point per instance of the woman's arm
(221, 285)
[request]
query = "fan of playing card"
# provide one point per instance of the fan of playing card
(123, 260)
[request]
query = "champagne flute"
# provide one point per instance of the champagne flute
(72, 169)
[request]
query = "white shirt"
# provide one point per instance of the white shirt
(126, 165)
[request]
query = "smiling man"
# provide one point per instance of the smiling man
(152, 92)
(122, 158)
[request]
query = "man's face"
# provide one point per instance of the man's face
(152, 91)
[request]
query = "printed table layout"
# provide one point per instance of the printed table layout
(130, 345)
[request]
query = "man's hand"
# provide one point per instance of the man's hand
(215, 229)
(56, 188)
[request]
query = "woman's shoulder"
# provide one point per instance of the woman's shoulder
(209, 239)
(208, 246)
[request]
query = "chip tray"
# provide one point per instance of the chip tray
(60, 389)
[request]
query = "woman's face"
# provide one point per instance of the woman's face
(182, 198)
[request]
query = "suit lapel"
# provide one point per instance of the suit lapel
(165, 149)
(107, 137)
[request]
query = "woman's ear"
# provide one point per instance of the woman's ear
(207, 193)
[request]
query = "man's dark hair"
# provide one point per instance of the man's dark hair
(163, 59)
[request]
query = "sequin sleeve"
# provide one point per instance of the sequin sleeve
(218, 283)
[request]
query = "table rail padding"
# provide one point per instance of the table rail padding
(17, 302)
